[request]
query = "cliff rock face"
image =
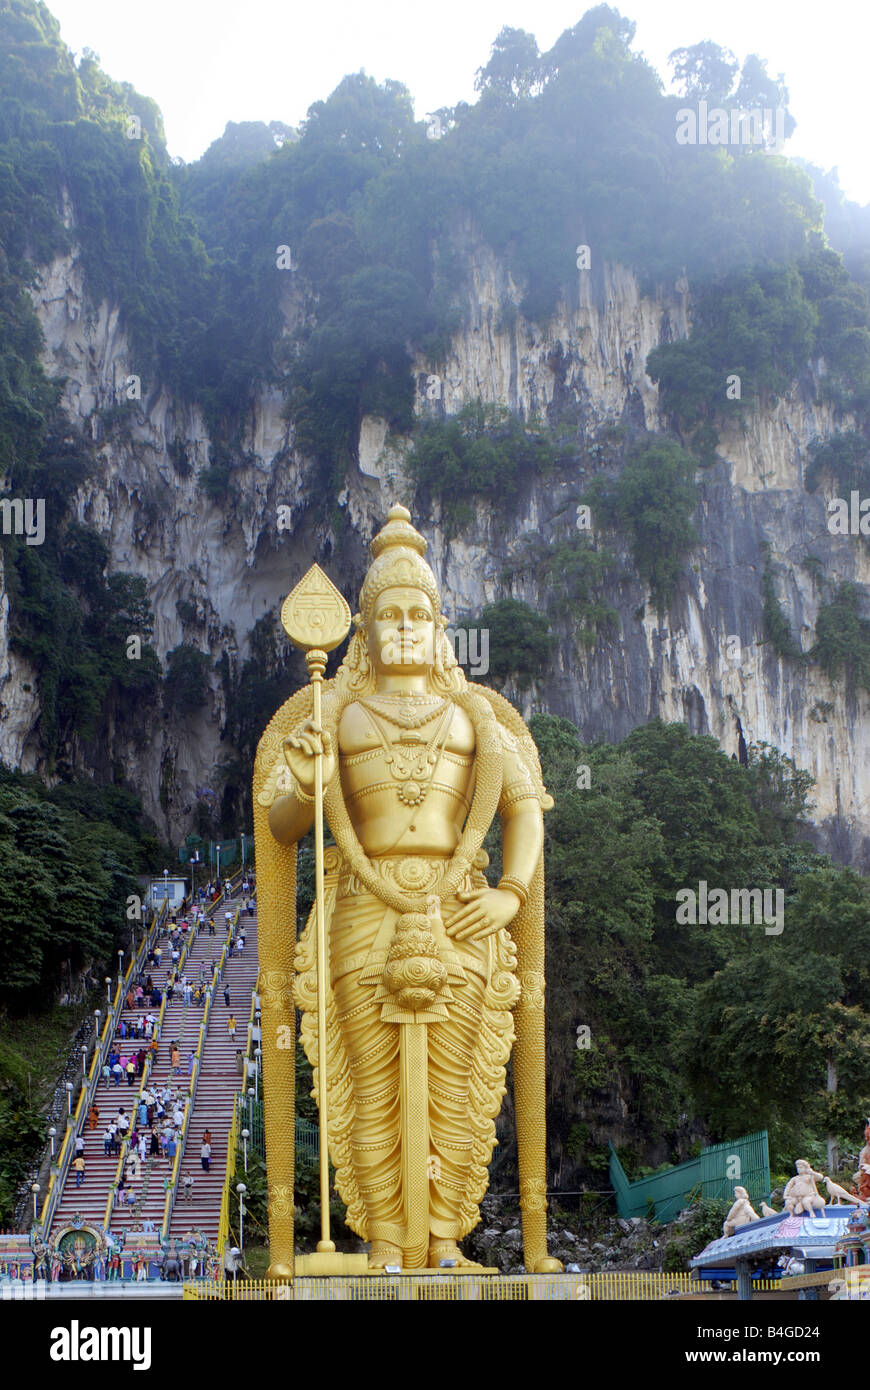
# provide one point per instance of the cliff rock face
(234, 565)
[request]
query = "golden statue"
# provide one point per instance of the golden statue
(431, 974)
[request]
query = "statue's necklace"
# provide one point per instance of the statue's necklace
(413, 771)
(397, 711)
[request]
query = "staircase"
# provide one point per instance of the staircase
(216, 1090)
(180, 1022)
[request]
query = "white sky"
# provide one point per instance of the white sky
(209, 61)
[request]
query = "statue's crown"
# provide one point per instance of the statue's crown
(398, 531)
(397, 561)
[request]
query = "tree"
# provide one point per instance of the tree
(514, 68)
(186, 685)
(705, 71)
(763, 1029)
(520, 642)
(842, 644)
(653, 500)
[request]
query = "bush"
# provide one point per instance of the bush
(186, 684)
(653, 500)
(520, 642)
(485, 452)
(843, 638)
(775, 624)
(568, 571)
(844, 458)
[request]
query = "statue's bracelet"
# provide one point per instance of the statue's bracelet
(515, 885)
(301, 795)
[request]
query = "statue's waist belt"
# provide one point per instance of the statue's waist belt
(410, 873)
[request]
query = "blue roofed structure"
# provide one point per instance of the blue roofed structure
(811, 1239)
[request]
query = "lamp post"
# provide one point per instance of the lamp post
(258, 1053)
(109, 989)
(35, 1190)
(245, 1134)
(68, 1087)
(218, 852)
(244, 861)
(251, 1095)
(166, 887)
(84, 1062)
(51, 1135)
(241, 1189)
(120, 968)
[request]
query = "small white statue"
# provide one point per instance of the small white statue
(838, 1194)
(768, 1211)
(800, 1195)
(740, 1214)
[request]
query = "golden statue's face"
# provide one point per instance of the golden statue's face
(401, 636)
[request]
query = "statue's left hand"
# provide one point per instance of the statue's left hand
(486, 910)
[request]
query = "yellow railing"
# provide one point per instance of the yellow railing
(224, 1223)
(654, 1284)
(445, 1287)
(232, 1145)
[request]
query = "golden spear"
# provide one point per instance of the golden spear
(317, 619)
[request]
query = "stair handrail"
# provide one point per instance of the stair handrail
(60, 1173)
(232, 1147)
(233, 1137)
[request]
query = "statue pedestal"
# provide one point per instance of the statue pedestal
(320, 1265)
(330, 1264)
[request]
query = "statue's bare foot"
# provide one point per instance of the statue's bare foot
(382, 1253)
(448, 1250)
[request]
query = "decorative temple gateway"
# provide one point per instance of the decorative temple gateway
(415, 975)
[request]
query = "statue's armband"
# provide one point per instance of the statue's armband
(519, 784)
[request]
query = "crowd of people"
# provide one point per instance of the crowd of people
(153, 1126)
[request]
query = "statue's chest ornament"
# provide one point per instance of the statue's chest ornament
(410, 761)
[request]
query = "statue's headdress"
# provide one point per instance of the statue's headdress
(397, 561)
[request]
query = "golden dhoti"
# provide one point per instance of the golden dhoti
(413, 1095)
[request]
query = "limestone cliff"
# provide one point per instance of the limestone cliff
(234, 565)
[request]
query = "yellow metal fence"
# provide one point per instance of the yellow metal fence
(471, 1288)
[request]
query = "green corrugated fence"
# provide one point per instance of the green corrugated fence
(714, 1173)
